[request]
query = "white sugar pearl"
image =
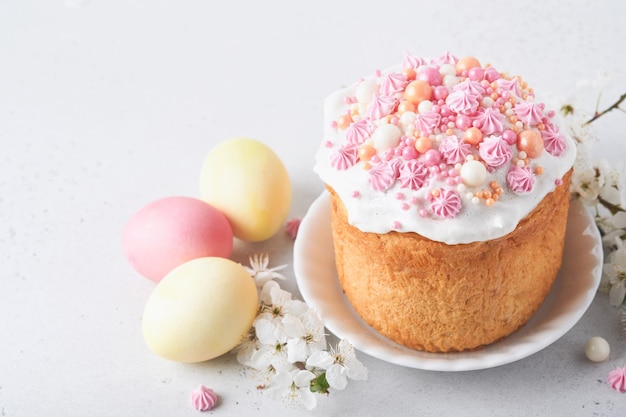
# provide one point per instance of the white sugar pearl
(473, 173)
(487, 101)
(406, 120)
(424, 106)
(450, 81)
(447, 69)
(386, 136)
(365, 90)
(597, 349)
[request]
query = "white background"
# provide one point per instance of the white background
(106, 106)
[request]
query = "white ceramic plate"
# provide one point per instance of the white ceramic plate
(571, 295)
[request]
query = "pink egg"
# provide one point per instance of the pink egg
(173, 230)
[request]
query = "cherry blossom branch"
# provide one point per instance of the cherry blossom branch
(613, 106)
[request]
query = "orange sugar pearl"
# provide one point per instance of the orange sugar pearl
(473, 136)
(531, 142)
(487, 194)
(513, 119)
(409, 73)
(495, 197)
(466, 63)
(406, 106)
(449, 132)
(435, 192)
(539, 170)
(418, 91)
(423, 143)
(494, 96)
(366, 152)
(344, 121)
(479, 194)
(489, 202)
(541, 126)
(354, 111)
(493, 185)
(367, 166)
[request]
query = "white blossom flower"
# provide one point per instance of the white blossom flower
(276, 302)
(306, 335)
(285, 335)
(340, 364)
(260, 273)
(610, 191)
(293, 387)
(614, 278)
(587, 183)
(246, 349)
(271, 352)
(595, 182)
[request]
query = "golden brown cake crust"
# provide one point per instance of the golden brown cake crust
(436, 297)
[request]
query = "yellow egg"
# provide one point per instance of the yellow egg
(200, 310)
(246, 181)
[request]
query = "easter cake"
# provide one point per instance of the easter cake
(449, 190)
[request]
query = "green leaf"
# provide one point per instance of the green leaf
(320, 384)
(567, 109)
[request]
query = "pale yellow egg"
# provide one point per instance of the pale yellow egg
(245, 180)
(200, 310)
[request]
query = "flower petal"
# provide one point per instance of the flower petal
(617, 294)
(356, 370)
(321, 360)
(309, 401)
(303, 378)
(336, 377)
(296, 350)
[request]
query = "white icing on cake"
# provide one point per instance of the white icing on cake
(375, 151)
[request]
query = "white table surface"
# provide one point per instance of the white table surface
(106, 106)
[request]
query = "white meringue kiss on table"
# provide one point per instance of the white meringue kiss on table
(571, 295)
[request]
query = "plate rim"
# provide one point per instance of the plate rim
(496, 354)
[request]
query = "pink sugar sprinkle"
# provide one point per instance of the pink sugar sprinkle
(400, 196)
(617, 379)
(333, 124)
(203, 398)
(293, 226)
(405, 206)
(558, 182)
(423, 213)
(356, 194)
(396, 225)
(328, 144)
